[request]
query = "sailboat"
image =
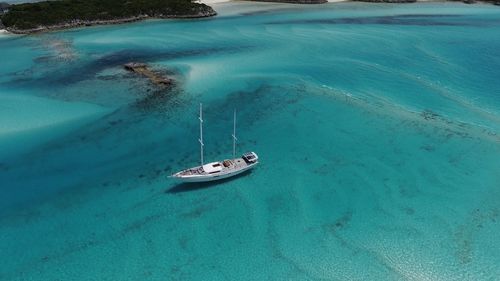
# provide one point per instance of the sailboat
(220, 169)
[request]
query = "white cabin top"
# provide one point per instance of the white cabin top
(213, 167)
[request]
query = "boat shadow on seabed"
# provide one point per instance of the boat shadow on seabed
(193, 186)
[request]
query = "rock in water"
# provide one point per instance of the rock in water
(143, 69)
(132, 66)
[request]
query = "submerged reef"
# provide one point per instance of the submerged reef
(161, 88)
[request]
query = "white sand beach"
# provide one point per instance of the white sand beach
(4, 33)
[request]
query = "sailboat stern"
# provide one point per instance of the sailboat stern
(250, 157)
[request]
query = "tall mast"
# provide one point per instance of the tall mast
(234, 135)
(201, 133)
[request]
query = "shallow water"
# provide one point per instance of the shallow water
(377, 128)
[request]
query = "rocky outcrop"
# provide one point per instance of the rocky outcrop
(73, 24)
(143, 69)
(81, 23)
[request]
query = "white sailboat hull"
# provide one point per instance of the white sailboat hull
(212, 177)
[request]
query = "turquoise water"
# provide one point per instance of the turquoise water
(377, 128)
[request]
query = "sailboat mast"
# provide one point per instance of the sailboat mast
(201, 133)
(234, 135)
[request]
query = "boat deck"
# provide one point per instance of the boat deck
(227, 166)
(218, 170)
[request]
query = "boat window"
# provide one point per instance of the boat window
(216, 165)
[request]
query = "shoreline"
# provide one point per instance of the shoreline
(84, 23)
(206, 14)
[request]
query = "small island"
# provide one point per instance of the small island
(50, 15)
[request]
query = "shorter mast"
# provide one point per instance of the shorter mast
(201, 134)
(234, 135)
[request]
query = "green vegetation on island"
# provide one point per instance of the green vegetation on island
(41, 16)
